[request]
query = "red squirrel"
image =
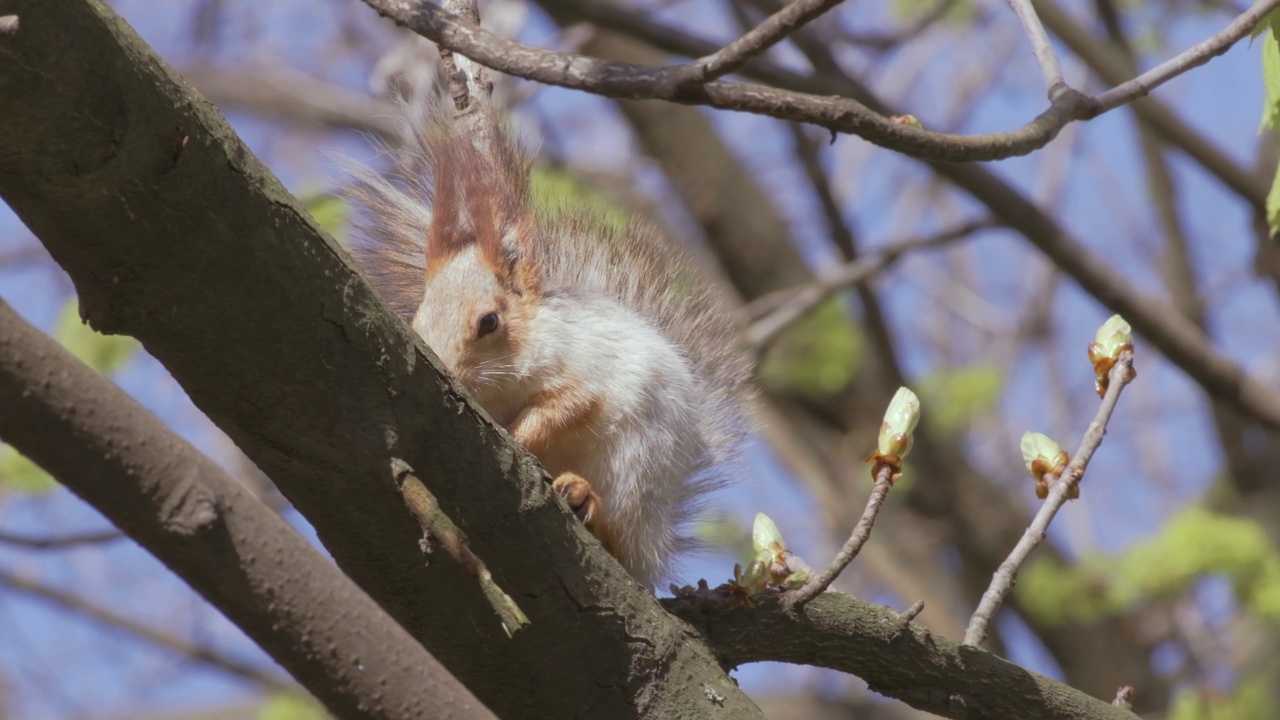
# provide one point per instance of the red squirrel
(601, 350)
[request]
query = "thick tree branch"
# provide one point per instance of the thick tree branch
(243, 558)
(207, 260)
(898, 659)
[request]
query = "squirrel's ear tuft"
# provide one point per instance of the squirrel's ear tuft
(527, 270)
(444, 236)
(481, 197)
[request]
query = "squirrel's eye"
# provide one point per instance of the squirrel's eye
(488, 324)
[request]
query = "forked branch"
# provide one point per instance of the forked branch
(838, 114)
(819, 583)
(1120, 376)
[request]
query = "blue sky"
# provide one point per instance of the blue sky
(67, 668)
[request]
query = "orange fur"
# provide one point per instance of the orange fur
(471, 205)
(552, 417)
(589, 506)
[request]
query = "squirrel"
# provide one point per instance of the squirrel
(599, 349)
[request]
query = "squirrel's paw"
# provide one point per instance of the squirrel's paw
(586, 504)
(578, 493)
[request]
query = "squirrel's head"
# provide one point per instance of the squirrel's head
(481, 284)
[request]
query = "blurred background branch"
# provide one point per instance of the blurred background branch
(1159, 577)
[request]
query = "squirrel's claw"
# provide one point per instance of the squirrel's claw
(587, 505)
(577, 492)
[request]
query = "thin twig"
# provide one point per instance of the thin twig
(1192, 57)
(777, 311)
(1045, 56)
(1122, 374)
(438, 528)
(1113, 68)
(198, 653)
(861, 532)
(469, 81)
(759, 39)
(807, 150)
(60, 543)
(457, 76)
(906, 616)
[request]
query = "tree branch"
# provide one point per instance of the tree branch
(171, 643)
(438, 528)
(899, 660)
(322, 391)
(1177, 338)
(637, 82)
(1193, 57)
(60, 543)
(1040, 46)
(1120, 376)
(1110, 65)
(787, 306)
(293, 96)
(217, 537)
(982, 521)
(755, 42)
(861, 533)
(623, 80)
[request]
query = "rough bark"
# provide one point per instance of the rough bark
(242, 557)
(174, 233)
(902, 660)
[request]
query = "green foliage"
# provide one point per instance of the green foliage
(1273, 206)
(728, 534)
(20, 475)
(955, 397)
(818, 355)
(960, 14)
(1057, 594)
(330, 213)
(1269, 22)
(291, 706)
(1249, 700)
(555, 191)
(1193, 544)
(1271, 105)
(104, 353)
